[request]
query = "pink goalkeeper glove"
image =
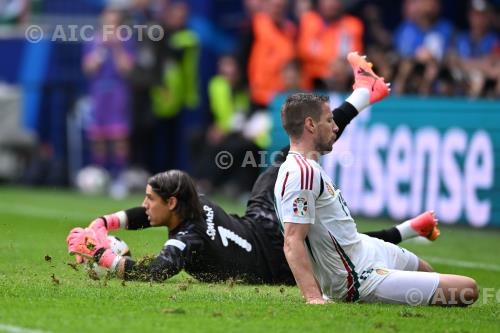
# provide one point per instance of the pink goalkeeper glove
(92, 243)
(86, 242)
(108, 222)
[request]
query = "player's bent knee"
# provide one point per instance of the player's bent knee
(470, 291)
(455, 290)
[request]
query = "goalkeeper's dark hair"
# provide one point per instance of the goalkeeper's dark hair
(177, 183)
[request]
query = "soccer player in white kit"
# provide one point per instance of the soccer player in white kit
(328, 257)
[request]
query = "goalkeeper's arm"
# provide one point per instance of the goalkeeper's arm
(168, 263)
(171, 260)
(130, 219)
(157, 269)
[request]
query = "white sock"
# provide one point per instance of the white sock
(406, 230)
(360, 98)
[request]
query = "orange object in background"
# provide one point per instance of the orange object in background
(320, 42)
(272, 49)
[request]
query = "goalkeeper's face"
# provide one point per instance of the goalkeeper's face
(160, 212)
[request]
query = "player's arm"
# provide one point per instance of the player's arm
(297, 201)
(130, 219)
(298, 260)
(169, 263)
(92, 243)
(171, 260)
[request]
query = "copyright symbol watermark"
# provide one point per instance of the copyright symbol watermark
(414, 297)
(33, 33)
(224, 160)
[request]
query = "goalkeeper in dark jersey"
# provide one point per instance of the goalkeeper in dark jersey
(207, 242)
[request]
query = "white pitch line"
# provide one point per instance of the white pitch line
(464, 264)
(18, 329)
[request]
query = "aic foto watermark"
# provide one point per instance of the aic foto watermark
(454, 296)
(263, 158)
(86, 33)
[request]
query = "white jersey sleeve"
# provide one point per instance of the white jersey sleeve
(295, 191)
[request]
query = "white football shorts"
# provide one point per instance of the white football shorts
(395, 278)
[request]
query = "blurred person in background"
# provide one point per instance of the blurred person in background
(251, 7)
(326, 35)
(378, 41)
(13, 12)
(229, 104)
(339, 79)
(234, 130)
(476, 52)
(177, 56)
(292, 76)
(300, 7)
(421, 41)
(107, 61)
(273, 46)
(143, 76)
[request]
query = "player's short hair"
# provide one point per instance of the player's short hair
(297, 108)
(177, 183)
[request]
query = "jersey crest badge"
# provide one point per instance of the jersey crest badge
(300, 206)
(381, 271)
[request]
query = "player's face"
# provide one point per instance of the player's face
(158, 211)
(327, 130)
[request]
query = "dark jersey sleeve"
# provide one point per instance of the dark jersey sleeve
(182, 245)
(137, 218)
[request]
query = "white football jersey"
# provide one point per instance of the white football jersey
(304, 193)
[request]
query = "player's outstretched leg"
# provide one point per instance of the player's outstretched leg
(368, 87)
(365, 77)
(425, 225)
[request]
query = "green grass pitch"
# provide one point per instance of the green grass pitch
(41, 292)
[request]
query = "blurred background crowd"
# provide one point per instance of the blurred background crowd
(141, 105)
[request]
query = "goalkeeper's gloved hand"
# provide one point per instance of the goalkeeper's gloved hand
(92, 243)
(98, 223)
(86, 242)
(109, 222)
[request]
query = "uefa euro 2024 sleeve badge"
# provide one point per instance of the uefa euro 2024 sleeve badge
(300, 206)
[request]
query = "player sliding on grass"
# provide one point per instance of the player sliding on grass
(204, 240)
(328, 257)
(207, 242)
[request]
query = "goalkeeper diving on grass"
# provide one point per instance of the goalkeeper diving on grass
(206, 241)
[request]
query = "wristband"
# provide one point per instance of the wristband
(115, 221)
(108, 259)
